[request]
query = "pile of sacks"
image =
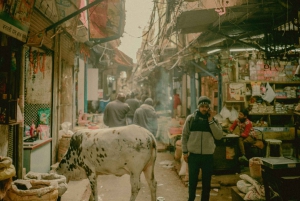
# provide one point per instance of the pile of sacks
(7, 171)
(38, 187)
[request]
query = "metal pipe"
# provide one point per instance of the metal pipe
(209, 73)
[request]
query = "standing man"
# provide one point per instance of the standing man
(245, 128)
(115, 112)
(176, 102)
(146, 117)
(133, 104)
(198, 135)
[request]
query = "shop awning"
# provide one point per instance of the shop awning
(122, 58)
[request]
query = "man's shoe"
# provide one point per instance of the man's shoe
(243, 158)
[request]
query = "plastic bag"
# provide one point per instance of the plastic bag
(225, 113)
(243, 186)
(255, 88)
(233, 115)
(65, 130)
(183, 167)
(270, 94)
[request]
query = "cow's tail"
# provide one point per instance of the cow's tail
(154, 147)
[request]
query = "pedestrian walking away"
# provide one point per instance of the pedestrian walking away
(198, 145)
(115, 112)
(133, 104)
(146, 116)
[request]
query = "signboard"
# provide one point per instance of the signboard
(15, 16)
(106, 20)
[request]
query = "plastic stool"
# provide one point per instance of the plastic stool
(274, 148)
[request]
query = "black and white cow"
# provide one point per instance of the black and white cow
(121, 150)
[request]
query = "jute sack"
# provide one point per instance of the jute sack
(40, 191)
(63, 146)
(255, 168)
(52, 177)
(7, 169)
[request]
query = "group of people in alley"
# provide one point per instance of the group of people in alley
(122, 112)
(199, 133)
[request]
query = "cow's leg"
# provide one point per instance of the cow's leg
(135, 184)
(149, 175)
(93, 182)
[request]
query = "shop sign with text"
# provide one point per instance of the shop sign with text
(15, 16)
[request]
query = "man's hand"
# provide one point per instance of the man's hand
(211, 114)
(185, 157)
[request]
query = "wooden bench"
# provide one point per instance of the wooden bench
(236, 194)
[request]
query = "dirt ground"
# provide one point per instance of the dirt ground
(169, 184)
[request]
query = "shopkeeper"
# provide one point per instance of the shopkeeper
(245, 128)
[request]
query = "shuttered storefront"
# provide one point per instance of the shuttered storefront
(38, 23)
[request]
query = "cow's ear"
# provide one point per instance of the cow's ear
(62, 162)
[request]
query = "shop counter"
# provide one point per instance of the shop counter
(226, 154)
(37, 156)
(283, 176)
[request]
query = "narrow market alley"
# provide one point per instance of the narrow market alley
(170, 185)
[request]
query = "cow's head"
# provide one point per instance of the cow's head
(68, 166)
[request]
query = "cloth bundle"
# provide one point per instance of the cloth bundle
(252, 189)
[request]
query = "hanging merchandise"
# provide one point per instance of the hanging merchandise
(270, 94)
(233, 115)
(236, 91)
(262, 89)
(30, 62)
(255, 88)
(42, 67)
(225, 113)
(44, 115)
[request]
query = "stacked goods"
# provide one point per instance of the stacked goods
(261, 108)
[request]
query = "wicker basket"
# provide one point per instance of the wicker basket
(63, 146)
(40, 191)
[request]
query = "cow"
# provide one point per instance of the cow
(121, 150)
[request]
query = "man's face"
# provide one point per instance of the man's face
(242, 117)
(204, 108)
